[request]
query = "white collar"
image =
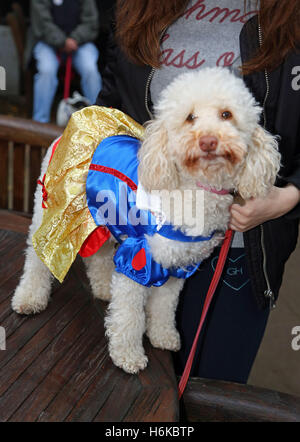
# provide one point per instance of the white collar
(151, 202)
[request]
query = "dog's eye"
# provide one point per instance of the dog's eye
(191, 118)
(226, 115)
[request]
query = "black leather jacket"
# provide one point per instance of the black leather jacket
(126, 86)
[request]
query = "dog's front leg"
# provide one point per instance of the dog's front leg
(160, 311)
(125, 323)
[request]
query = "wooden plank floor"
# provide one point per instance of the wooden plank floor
(56, 365)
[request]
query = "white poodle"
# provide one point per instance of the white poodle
(205, 136)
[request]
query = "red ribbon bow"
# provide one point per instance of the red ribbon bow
(45, 193)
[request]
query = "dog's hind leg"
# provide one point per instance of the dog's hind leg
(33, 292)
(160, 315)
(125, 324)
(99, 268)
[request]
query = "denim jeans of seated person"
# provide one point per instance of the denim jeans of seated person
(84, 60)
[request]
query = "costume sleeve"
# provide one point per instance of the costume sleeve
(134, 260)
(88, 28)
(43, 27)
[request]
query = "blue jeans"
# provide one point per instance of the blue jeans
(84, 61)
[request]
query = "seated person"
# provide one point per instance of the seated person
(59, 28)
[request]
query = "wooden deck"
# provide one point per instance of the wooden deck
(56, 365)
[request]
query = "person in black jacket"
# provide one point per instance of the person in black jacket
(156, 42)
(60, 28)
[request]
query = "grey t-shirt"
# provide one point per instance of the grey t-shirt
(206, 35)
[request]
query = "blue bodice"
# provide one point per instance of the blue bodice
(111, 196)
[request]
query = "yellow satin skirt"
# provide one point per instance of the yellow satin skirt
(67, 221)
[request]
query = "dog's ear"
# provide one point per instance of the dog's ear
(156, 170)
(262, 165)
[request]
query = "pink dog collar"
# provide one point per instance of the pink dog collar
(213, 190)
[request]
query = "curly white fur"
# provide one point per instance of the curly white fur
(246, 159)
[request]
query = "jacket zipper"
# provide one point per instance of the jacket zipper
(150, 76)
(268, 293)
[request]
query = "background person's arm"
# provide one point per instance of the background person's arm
(88, 29)
(42, 24)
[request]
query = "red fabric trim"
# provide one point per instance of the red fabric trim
(115, 173)
(42, 183)
(44, 191)
(54, 148)
(94, 241)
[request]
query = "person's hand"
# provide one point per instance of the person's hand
(256, 211)
(70, 45)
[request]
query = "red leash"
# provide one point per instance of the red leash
(211, 291)
(68, 76)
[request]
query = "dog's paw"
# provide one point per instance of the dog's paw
(164, 338)
(26, 303)
(130, 361)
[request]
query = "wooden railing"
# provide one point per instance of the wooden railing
(206, 400)
(23, 144)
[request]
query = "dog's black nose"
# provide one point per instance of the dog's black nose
(208, 143)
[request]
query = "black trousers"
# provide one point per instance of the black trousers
(234, 326)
